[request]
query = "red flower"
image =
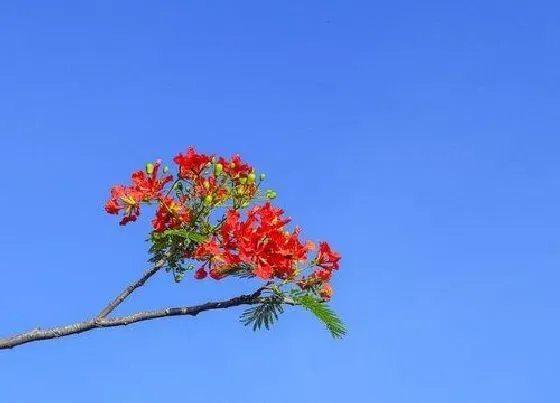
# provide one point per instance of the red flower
(170, 215)
(216, 274)
(191, 164)
(323, 275)
(149, 185)
(327, 259)
(124, 198)
(200, 274)
(127, 219)
(145, 188)
(113, 207)
(326, 292)
(264, 272)
(208, 249)
(235, 168)
(268, 215)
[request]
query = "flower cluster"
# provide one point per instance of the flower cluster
(145, 188)
(210, 212)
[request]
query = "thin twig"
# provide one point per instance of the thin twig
(130, 289)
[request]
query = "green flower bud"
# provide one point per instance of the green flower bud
(207, 200)
(251, 178)
(271, 194)
(262, 176)
(165, 169)
(218, 169)
(243, 180)
(206, 185)
(149, 168)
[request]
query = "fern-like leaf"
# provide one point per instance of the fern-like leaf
(323, 312)
(263, 314)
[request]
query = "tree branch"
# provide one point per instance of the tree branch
(130, 289)
(99, 322)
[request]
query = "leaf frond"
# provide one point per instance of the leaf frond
(323, 312)
(263, 314)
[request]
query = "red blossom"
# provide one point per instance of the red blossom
(127, 199)
(144, 188)
(200, 274)
(208, 249)
(216, 274)
(326, 258)
(323, 275)
(191, 164)
(234, 167)
(149, 185)
(170, 215)
(263, 271)
(326, 292)
(128, 218)
(113, 207)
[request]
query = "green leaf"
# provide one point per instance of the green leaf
(324, 313)
(265, 313)
(193, 236)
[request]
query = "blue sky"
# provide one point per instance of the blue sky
(419, 138)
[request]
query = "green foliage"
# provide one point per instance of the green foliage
(265, 313)
(323, 312)
(182, 233)
(171, 246)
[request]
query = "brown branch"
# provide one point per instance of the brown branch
(99, 322)
(130, 289)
